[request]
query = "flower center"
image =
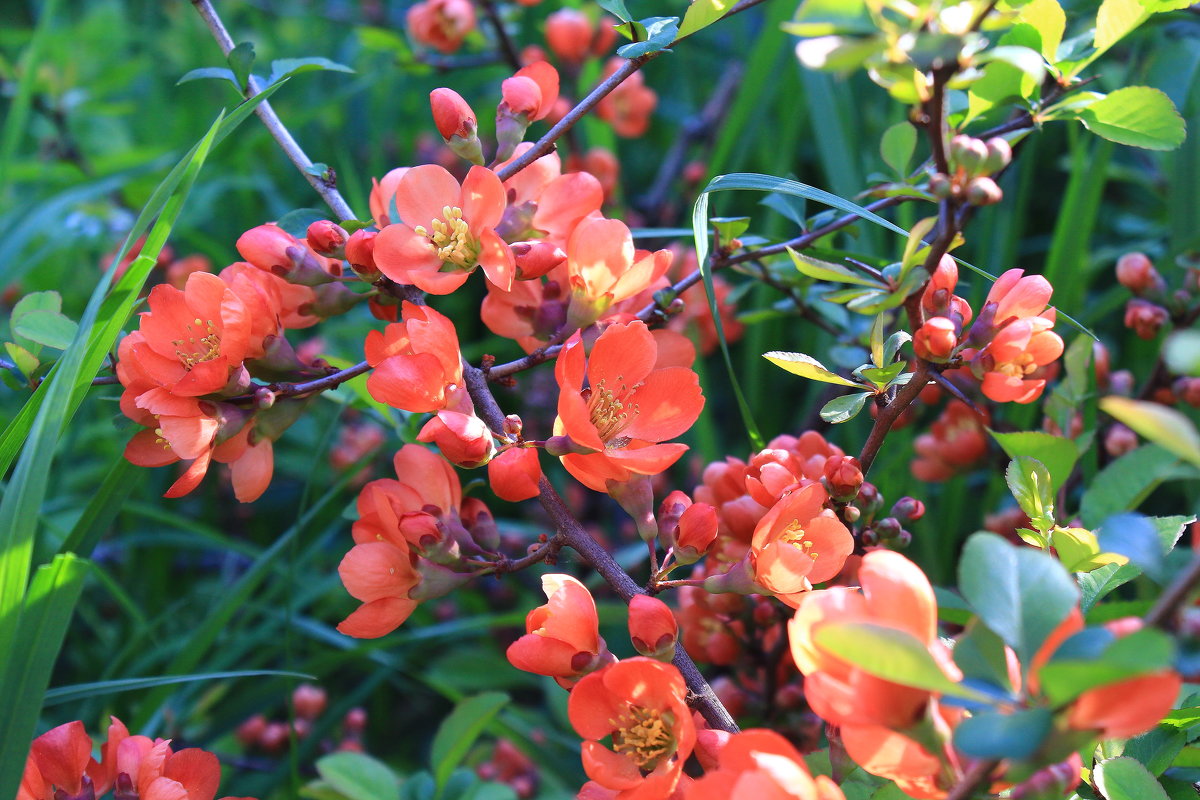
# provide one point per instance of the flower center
(643, 736)
(453, 240)
(1019, 367)
(612, 411)
(193, 350)
(793, 534)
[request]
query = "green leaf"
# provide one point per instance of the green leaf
(828, 271)
(883, 376)
(1135, 537)
(1124, 778)
(24, 360)
(1099, 582)
(1032, 487)
(358, 776)
(701, 14)
(1049, 20)
(1027, 61)
(1164, 426)
(991, 734)
(1138, 116)
(41, 625)
(1020, 593)
(1058, 455)
(891, 654)
(48, 328)
(897, 146)
(807, 367)
(700, 236)
(82, 691)
(826, 17)
(1127, 481)
(980, 654)
(661, 33)
(616, 8)
(844, 408)
(460, 730)
(287, 67)
(729, 228)
(1115, 20)
(1156, 748)
(209, 73)
(893, 344)
(241, 59)
(296, 222)
(1068, 675)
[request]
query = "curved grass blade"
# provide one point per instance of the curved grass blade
(82, 691)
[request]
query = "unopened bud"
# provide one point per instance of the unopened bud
(868, 537)
(456, 123)
(696, 533)
(513, 425)
(901, 540)
(652, 627)
(535, 259)
(941, 186)
(355, 721)
(309, 701)
(936, 339)
(843, 477)
(1145, 318)
(851, 514)
(1188, 391)
(968, 154)
(999, 155)
(360, 252)
(1136, 273)
(1119, 440)
(983, 191)
(887, 528)
(908, 509)
(327, 238)
(569, 35)
(250, 732)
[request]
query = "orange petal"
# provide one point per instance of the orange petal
(378, 618)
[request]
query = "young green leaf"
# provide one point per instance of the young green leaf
(358, 776)
(241, 59)
(701, 14)
(1138, 116)
(48, 328)
(1164, 426)
(844, 408)
(287, 67)
(897, 146)
(807, 367)
(460, 730)
(992, 734)
(1033, 489)
(1057, 454)
(661, 33)
(828, 271)
(1123, 778)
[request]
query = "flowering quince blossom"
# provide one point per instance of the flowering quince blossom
(652, 627)
(615, 426)
(409, 532)
(762, 765)
(60, 767)
(417, 365)
(445, 230)
(1014, 328)
(628, 107)
(441, 24)
(870, 711)
(641, 704)
(562, 638)
(798, 543)
(515, 473)
(603, 268)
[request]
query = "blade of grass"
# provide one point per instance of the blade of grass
(18, 109)
(121, 479)
(81, 691)
(44, 616)
(116, 307)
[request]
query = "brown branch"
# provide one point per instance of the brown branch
(502, 38)
(890, 413)
(809, 238)
(1169, 602)
(972, 779)
(325, 187)
(548, 549)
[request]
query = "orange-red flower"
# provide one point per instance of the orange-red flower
(640, 703)
(616, 424)
(628, 107)
(514, 474)
(60, 766)
(383, 193)
(441, 24)
(604, 268)
(530, 92)
(417, 362)
(652, 627)
(761, 764)
(562, 638)
(798, 543)
(445, 230)
(954, 442)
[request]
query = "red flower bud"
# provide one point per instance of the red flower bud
(250, 732)
(908, 509)
(355, 721)
(652, 627)
(696, 532)
(309, 701)
(535, 259)
(514, 474)
(326, 238)
(1137, 274)
(569, 35)
(843, 477)
(360, 252)
(464, 439)
(451, 114)
(936, 339)
(1145, 318)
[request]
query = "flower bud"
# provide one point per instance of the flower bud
(936, 339)
(535, 259)
(250, 732)
(514, 474)
(1119, 440)
(968, 154)
(326, 238)
(513, 425)
(360, 252)
(843, 477)
(456, 123)
(274, 737)
(1188, 391)
(464, 439)
(908, 509)
(569, 35)
(983, 191)
(868, 537)
(887, 528)
(901, 540)
(652, 627)
(940, 186)
(355, 721)
(309, 701)
(1145, 318)
(669, 512)
(696, 533)
(1137, 274)
(1120, 382)
(999, 155)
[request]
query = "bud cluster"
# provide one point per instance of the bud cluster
(973, 162)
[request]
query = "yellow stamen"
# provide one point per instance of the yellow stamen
(612, 411)
(453, 240)
(192, 351)
(793, 534)
(644, 736)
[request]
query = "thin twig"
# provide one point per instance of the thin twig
(972, 779)
(281, 134)
(547, 549)
(502, 38)
(1169, 602)
(890, 413)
